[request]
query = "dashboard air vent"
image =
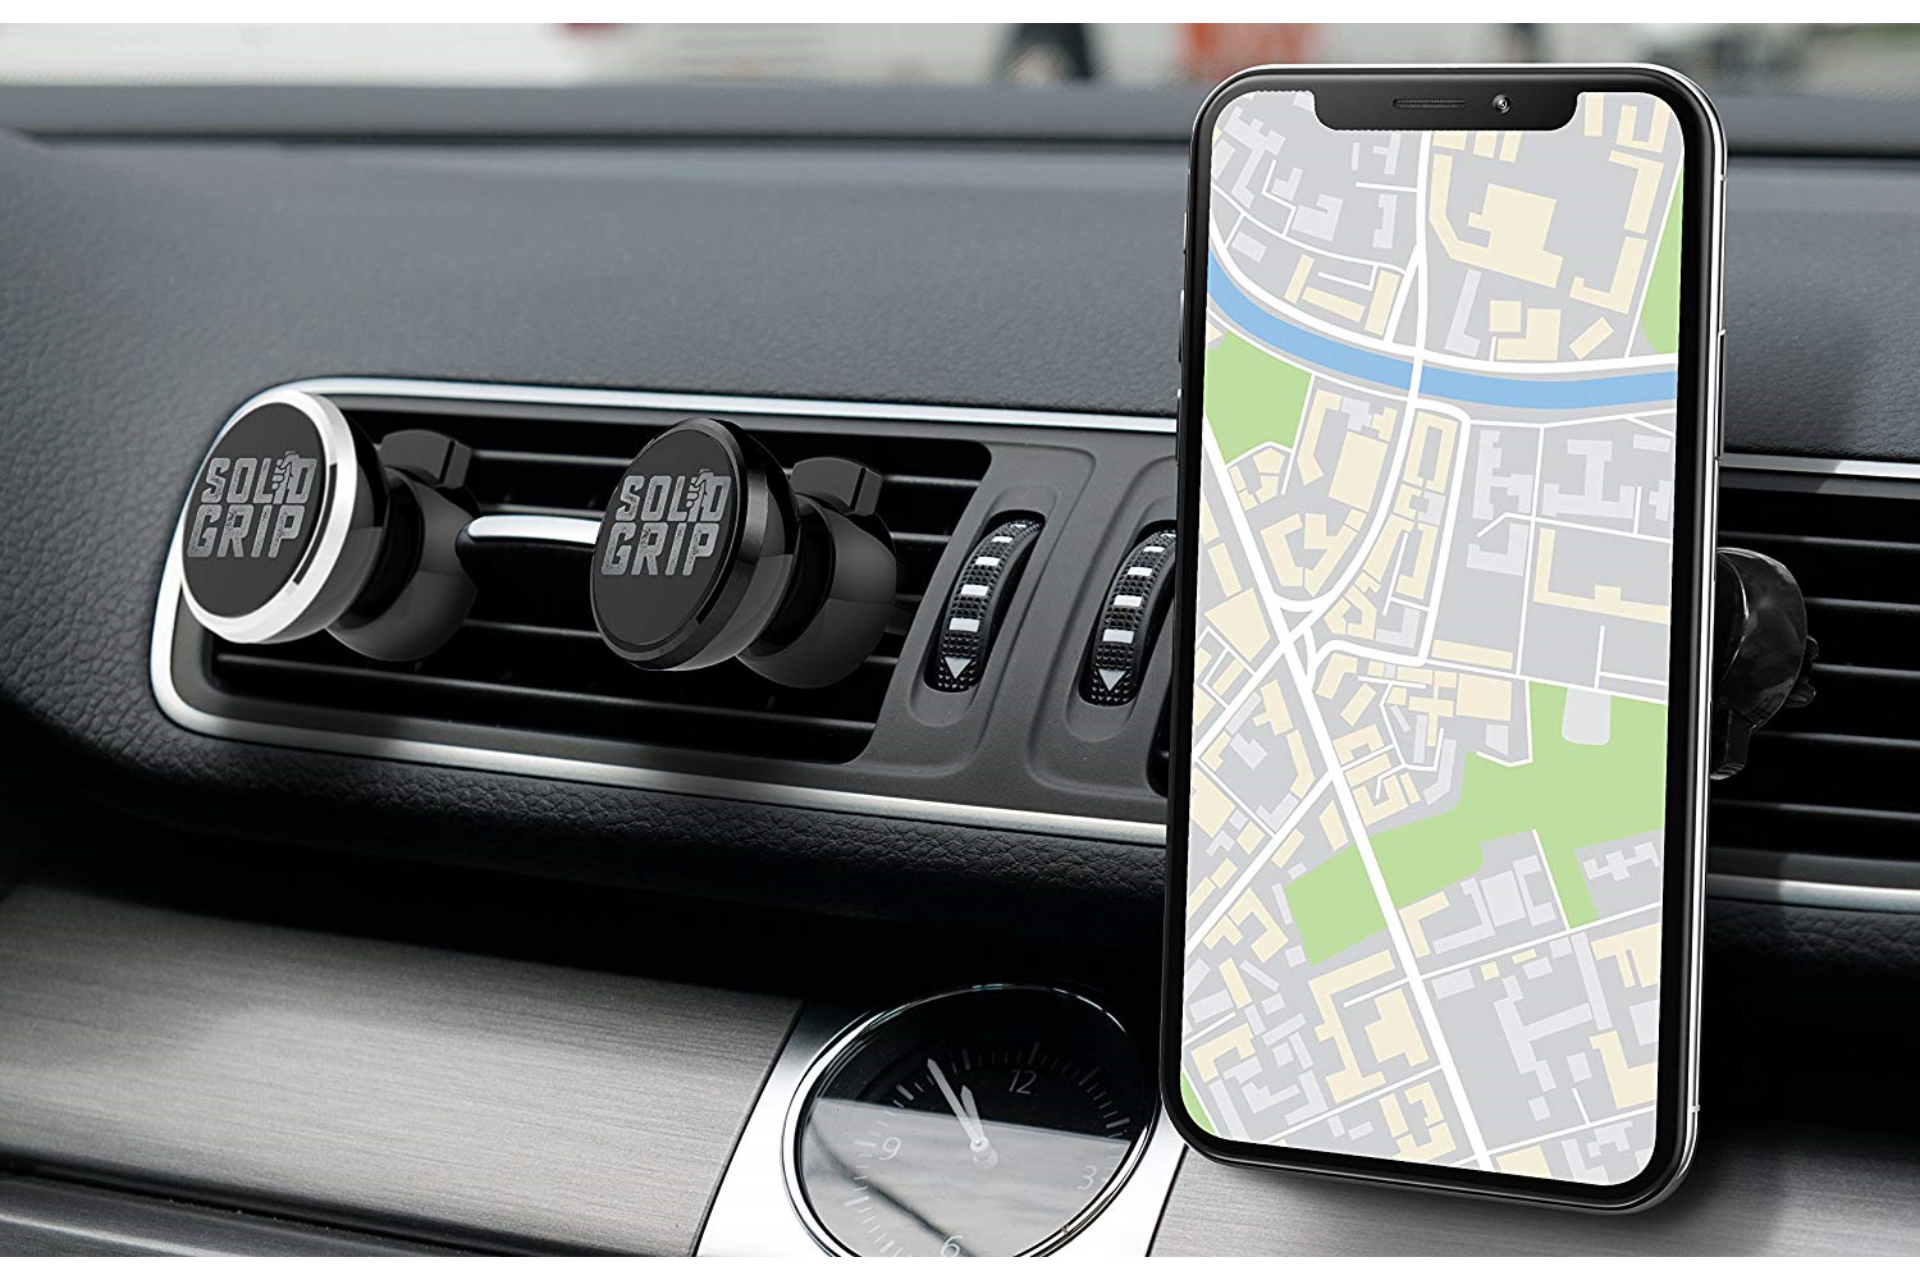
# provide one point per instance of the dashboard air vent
(1831, 780)
(529, 659)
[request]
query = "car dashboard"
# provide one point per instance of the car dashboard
(515, 949)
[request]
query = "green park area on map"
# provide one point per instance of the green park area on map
(1252, 397)
(1660, 311)
(1573, 796)
(1334, 906)
(1192, 1103)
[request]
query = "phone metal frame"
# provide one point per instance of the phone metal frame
(1698, 438)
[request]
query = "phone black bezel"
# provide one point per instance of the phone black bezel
(1697, 446)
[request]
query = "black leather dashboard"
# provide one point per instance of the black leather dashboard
(151, 279)
(149, 289)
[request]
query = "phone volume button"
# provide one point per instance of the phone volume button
(1720, 396)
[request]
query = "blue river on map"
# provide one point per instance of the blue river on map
(1439, 383)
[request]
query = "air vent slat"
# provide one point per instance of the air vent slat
(1829, 811)
(1776, 827)
(1760, 539)
(634, 706)
(947, 483)
(1829, 769)
(1814, 738)
(1856, 570)
(588, 636)
(1831, 604)
(611, 463)
(1861, 702)
(536, 509)
(529, 658)
(1828, 778)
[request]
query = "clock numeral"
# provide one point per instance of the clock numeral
(1022, 1081)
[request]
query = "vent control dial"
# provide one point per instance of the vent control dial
(1130, 615)
(978, 602)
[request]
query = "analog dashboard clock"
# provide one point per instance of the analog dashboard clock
(996, 1120)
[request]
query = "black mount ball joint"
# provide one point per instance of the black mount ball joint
(296, 524)
(1762, 655)
(708, 551)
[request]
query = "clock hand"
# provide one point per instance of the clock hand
(973, 1108)
(966, 1113)
(976, 1135)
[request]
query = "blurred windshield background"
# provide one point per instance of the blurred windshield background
(1824, 60)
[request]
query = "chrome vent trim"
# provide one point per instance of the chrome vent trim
(177, 709)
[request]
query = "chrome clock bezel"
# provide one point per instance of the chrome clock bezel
(855, 1036)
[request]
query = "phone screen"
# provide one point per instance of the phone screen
(1425, 848)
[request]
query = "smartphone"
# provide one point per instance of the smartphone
(1448, 450)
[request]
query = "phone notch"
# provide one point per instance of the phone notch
(1489, 102)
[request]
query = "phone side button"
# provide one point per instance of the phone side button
(1720, 397)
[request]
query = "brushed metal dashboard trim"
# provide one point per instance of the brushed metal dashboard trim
(372, 1085)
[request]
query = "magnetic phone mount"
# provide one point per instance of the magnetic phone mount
(1762, 654)
(710, 551)
(297, 524)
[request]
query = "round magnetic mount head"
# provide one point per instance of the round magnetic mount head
(696, 548)
(282, 526)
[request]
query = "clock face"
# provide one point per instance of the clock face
(989, 1122)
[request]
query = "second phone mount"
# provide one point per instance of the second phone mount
(708, 551)
(1762, 656)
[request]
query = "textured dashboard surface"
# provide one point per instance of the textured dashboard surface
(144, 295)
(442, 1095)
(144, 292)
(1821, 327)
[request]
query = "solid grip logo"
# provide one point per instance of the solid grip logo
(251, 507)
(666, 524)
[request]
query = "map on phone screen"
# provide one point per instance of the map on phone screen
(1429, 736)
